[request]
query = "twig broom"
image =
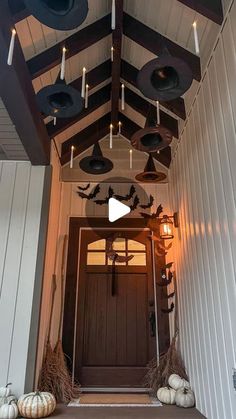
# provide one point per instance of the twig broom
(64, 389)
(170, 363)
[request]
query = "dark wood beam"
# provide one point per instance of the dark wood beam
(154, 42)
(18, 96)
(143, 107)
(76, 43)
(116, 65)
(129, 73)
(212, 9)
(128, 130)
(96, 100)
(86, 138)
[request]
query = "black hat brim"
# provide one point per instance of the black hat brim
(67, 112)
(85, 165)
(158, 130)
(154, 177)
(144, 79)
(64, 22)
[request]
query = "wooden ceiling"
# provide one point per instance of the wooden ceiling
(138, 37)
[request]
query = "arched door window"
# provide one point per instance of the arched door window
(96, 252)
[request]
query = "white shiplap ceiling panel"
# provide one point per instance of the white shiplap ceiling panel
(10, 145)
(89, 58)
(174, 20)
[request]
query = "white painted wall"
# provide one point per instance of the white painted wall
(22, 189)
(203, 190)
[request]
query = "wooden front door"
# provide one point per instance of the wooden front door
(115, 333)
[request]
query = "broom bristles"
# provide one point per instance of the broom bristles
(55, 377)
(170, 363)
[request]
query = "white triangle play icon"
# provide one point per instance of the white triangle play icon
(116, 210)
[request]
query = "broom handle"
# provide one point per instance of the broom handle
(53, 291)
(62, 283)
(176, 317)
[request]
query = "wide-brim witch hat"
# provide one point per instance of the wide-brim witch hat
(60, 100)
(151, 139)
(164, 78)
(96, 164)
(62, 15)
(150, 174)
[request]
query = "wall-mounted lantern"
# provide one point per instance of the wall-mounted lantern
(167, 224)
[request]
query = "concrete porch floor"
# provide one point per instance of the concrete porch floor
(165, 412)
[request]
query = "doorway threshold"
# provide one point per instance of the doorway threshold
(141, 390)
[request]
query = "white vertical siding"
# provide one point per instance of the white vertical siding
(203, 189)
(21, 194)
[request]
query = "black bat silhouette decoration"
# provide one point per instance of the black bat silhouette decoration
(106, 200)
(135, 204)
(166, 297)
(154, 214)
(128, 196)
(168, 310)
(85, 188)
(149, 205)
(92, 195)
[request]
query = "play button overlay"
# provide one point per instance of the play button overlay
(117, 210)
(113, 203)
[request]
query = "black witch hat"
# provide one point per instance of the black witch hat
(60, 100)
(164, 78)
(150, 174)
(96, 164)
(63, 15)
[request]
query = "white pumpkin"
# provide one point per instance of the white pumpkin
(166, 395)
(9, 411)
(5, 391)
(176, 382)
(5, 400)
(185, 397)
(36, 405)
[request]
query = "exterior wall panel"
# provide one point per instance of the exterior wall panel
(203, 189)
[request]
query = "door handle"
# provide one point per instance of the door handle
(152, 321)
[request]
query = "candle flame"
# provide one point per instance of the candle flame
(72, 147)
(14, 31)
(195, 24)
(64, 49)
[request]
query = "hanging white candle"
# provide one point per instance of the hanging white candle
(11, 47)
(112, 54)
(158, 112)
(196, 40)
(122, 97)
(119, 127)
(111, 135)
(131, 159)
(86, 96)
(83, 82)
(63, 64)
(72, 156)
(113, 15)
(54, 121)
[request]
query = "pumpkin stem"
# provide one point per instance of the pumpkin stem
(185, 390)
(8, 384)
(11, 401)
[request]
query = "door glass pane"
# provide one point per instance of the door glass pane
(96, 258)
(139, 259)
(117, 263)
(134, 245)
(119, 244)
(97, 245)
